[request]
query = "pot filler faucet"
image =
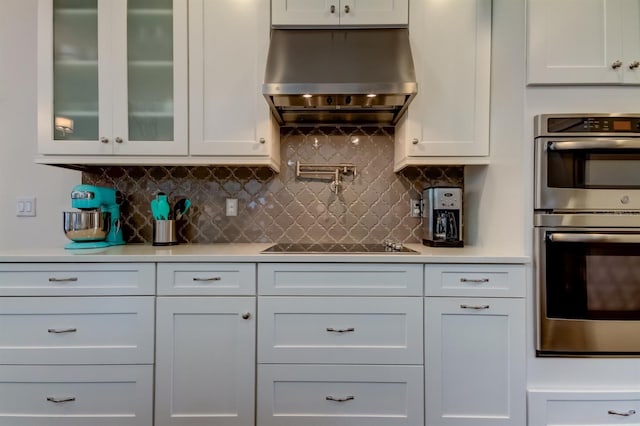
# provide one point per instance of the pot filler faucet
(331, 170)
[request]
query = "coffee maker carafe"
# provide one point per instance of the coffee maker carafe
(442, 217)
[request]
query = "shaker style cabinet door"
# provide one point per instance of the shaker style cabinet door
(112, 77)
(583, 42)
(339, 12)
(475, 361)
(205, 361)
(229, 117)
(449, 117)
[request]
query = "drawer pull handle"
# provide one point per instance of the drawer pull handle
(63, 280)
(59, 400)
(346, 398)
(62, 330)
(477, 307)
(617, 413)
(340, 330)
(475, 281)
(207, 279)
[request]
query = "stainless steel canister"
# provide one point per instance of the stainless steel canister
(164, 233)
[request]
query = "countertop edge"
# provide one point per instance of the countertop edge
(250, 252)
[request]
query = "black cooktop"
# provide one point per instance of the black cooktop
(338, 248)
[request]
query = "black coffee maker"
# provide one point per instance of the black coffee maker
(442, 217)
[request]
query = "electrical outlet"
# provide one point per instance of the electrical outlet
(232, 207)
(25, 206)
(415, 207)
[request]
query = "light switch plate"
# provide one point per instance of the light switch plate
(26, 206)
(232, 207)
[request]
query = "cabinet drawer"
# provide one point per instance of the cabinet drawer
(556, 407)
(76, 330)
(206, 278)
(95, 395)
(357, 395)
(326, 279)
(469, 280)
(329, 330)
(77, 279)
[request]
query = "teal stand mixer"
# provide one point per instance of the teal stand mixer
(96, 224)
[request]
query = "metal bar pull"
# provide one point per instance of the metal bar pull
(62, 330)
(477, 307)
(617, 413)
(474, 280)
(340, 330)
(59, 400)
(63, 280)
(567, 237)
(207, 279)
(593, 144)
(346, 398)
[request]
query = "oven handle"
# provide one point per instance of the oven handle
(563, 237)
(575, 145)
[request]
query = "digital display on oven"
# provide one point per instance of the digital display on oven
(570, 125)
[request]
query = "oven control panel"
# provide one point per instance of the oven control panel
(593, 124)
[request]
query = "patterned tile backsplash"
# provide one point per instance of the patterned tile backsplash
(280, 207)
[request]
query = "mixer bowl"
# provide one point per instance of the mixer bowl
(86, 225)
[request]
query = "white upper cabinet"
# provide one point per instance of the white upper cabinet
(583, 42)
(229, 117)
(448, 121)
(340, 12)
(112, 77)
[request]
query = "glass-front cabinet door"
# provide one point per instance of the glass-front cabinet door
(112, 77)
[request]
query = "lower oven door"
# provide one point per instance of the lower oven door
(588, 291)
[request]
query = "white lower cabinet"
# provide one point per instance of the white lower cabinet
(336, 348)
(475, 365)
(353, 395)
(583, 407)
(88, 395)
(82, 354)
(205, 346)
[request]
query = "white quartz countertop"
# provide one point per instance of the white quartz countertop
(251, 253)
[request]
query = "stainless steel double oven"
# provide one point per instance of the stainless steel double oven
(587, 234)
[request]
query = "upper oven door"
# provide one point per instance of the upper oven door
(595, 174)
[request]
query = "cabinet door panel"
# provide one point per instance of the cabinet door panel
(305, 12)
(205, 361)
(228, 51)
(574, 41)
(451, 43)
(374, 12)
(475, 361)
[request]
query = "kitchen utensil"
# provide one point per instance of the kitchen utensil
(181, 207)
(161, 209)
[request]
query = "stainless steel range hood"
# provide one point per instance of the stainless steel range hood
(335, 76)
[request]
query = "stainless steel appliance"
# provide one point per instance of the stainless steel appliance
(587, 234)
(387, 247)
(333, 76)
(442, 224)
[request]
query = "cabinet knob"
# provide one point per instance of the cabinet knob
(262, 140)
(634, 65)
(118, 140)
(246, 315)
(347, 9)
(104, 140)
(616, 65)
(332, 9)
(415, 141)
